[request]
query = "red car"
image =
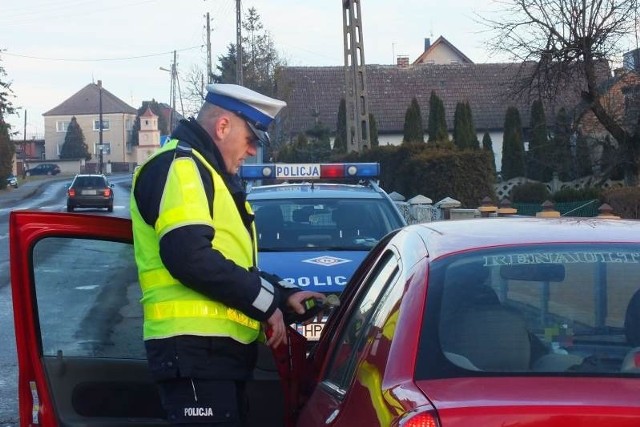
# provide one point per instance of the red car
(485, 322)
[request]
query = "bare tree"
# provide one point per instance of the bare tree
(566, 42)
(195, 88)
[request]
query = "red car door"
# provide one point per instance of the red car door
(78, 326)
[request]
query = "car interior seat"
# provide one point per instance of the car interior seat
(351, 222)
(476, 331)
(490, 338)
(631, 362)
(632, 320)
(270, 226)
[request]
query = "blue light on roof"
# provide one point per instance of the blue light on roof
(362, 170)
(258, 171)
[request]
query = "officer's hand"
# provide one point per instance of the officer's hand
(275, 329)
(296, 302)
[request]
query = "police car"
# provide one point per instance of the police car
(316, 227)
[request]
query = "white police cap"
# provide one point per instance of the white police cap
(256, 109)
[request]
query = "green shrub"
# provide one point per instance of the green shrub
(530, 192)
(574, 195)
(624, 201)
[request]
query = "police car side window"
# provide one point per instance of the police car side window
(87, 295)
(352, 342)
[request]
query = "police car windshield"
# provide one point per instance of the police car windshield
(321, 224)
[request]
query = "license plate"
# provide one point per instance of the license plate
(310, 331)
(89, 192)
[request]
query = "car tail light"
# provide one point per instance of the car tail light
(107, 192)
(420, 419)
(72, 192)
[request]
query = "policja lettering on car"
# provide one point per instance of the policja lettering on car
(303, 281)
(198, 412)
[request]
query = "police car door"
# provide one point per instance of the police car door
(78, 326)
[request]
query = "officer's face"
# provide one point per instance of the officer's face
(238, 144)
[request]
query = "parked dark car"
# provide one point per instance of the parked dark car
(44, 169)
(12, 181)
(90, 191)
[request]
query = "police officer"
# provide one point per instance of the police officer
(205, 304)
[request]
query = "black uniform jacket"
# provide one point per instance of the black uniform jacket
(186, 252)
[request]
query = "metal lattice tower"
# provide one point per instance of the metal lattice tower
(355, 78)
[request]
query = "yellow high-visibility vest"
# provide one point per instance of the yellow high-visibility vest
(170, 308)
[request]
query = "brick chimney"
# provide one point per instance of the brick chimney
(403, 61)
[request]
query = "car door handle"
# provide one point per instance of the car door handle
(332, 417)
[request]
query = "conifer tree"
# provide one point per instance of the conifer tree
(319, 146)
(7, 149)
(459, 137)
(413, 129)
(464, 132)
(540, 155)
(74, 146)
(296, 151)
(473, 134)
(340, 142)
(512, 145)
(487, 145)
(563, 155)
(584, 166)
(437, 125)
(373, 131)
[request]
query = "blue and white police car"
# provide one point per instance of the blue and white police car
(316, 227)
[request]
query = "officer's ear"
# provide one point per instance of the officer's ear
(222, 127)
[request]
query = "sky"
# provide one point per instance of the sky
(51, 49)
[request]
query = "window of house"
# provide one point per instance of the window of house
(106, 148)
(105, 125)
(62, 125)
(128, 124)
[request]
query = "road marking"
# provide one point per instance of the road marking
(86, 288)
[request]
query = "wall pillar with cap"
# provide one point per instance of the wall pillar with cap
(548, 210)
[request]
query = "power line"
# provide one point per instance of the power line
(99, 59)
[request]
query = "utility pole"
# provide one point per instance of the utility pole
(100, 158)
(355, 78)
(175, 87)
(172, 94)
(24, 145)
(209, 70)
(239, 77)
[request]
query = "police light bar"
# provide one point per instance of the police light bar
(309, 171)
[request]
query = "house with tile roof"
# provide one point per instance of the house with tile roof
(313, 95)
(86, 105)
(441, 52)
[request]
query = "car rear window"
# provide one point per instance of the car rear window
(89, 181)
(317, 224)
(562, 309)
